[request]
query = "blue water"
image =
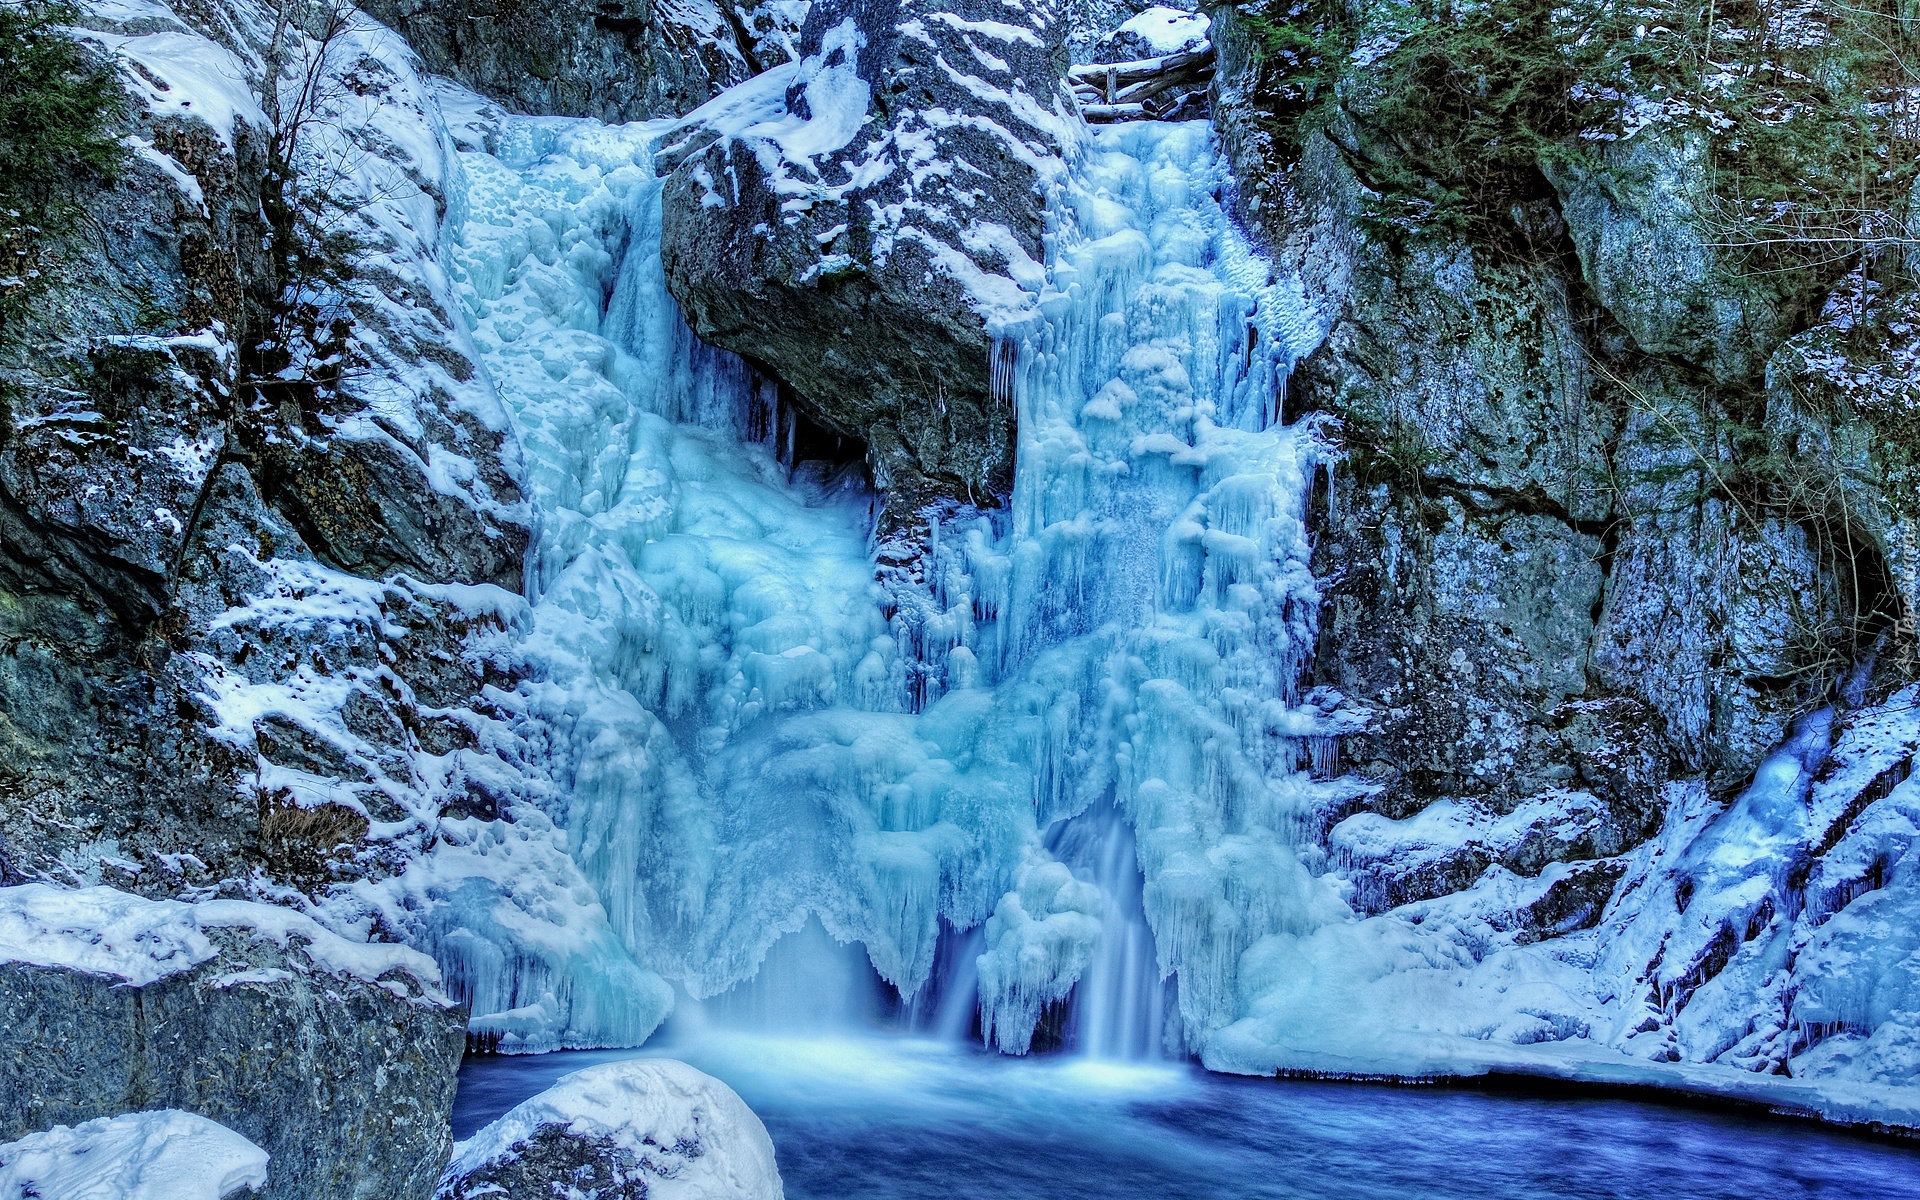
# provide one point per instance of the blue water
(892, 1119)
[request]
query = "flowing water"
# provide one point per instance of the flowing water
(888, 1119)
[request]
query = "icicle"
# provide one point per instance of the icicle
(1004, 355)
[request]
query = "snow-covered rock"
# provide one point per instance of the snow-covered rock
(865, 224)
(1157, 31)
(163, 1155)
(1761, 948)
(620, 1131)
(336, 1057)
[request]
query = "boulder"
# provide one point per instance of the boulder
(338, 1058)
(621, 1131)
(865, 226)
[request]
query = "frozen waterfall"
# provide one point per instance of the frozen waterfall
(1087, 752)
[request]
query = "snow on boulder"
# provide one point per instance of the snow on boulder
(645, 1127)
(865, 224)
(1156, 32)
(337, 1057)
(165, 1155)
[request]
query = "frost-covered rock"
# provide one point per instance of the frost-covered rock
(1637, 223)
(1759, 948)
(148, 507)
(865, 224)
(163, 1155)
(621, 1131)
(336, 1057)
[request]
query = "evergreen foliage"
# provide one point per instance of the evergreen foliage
(59, 104)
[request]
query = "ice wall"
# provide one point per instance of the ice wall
(747, 737)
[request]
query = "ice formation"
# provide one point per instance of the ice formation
(728, 699)
(164, 1155)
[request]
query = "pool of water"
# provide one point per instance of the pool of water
(899, 1119)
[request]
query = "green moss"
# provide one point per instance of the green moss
(59, 105)
(1452, 108)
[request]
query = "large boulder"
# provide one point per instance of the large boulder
(165, 1155)
(621, 1131)
(338, 1058)
(865, 225)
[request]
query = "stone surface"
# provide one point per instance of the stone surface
(336, 1058)
(866, 226)
(622, 61)
(161, 520)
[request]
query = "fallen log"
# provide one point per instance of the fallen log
(1145, 89)
(1120, 74)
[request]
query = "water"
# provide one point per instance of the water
(889, 1119)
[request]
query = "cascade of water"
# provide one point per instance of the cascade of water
(1119, 1004)
(1154, 582)
(747, 744)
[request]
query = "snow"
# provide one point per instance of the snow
(101, 931)
(104, 931)
(834, 97)
(694, 1138)
(162, 1155)
(1167, 30)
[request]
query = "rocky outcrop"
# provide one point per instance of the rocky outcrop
(1597, 567)
(337, 1058)
(165, 1155)
(178, 535)
(1547, 503)
(865, 226)
(627, 60)
(621, 1131)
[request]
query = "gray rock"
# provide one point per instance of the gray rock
(1636, 223)
(618, 60)
(144, 506)
(1550, 559)
(337, 1058)
(871, 261)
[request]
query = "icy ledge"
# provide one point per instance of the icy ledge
(165, 1155)
(678, 1134)
(104, 931)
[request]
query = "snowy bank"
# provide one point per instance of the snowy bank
(166, 1155)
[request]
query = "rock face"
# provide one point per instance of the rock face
(1565, 568)
(622, 61)
(865, 226)
(621, 1131)
(337, 1058)
(165, 1155)
(1539, 560)
(177, 537)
